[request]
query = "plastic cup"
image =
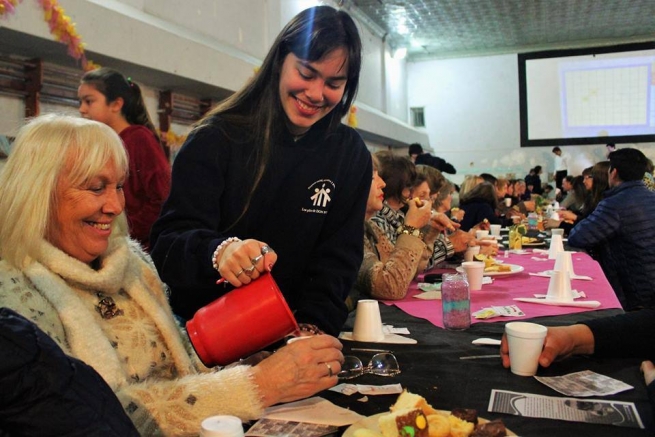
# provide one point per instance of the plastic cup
(471, 252)
(525, 341)
(557, 231)
(221, 426)
(559, 287)
(556, 246)
(494, 230)
(479, 235)
(474, 271)
(564, 262)
(243, 321)
(508, 202)
(368, 323)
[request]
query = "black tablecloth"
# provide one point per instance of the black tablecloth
(432, 368)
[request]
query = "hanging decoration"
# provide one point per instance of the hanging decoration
(352, 116)
(63, 30)
(8, 7)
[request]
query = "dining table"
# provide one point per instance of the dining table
(439, 368)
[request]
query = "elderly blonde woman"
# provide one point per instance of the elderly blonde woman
(67, 265)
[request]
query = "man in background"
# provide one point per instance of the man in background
(418, 157)
(621, 231)
(561, 166)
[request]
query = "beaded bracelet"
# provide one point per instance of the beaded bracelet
(220, 247)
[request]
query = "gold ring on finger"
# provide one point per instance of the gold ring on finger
(239, 272)
(249, 270)
(266, 249)
(256, 259)
(330, 374)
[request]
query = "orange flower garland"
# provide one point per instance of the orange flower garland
(64, 31)
(8, 6)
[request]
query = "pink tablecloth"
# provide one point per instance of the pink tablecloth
(505, 288)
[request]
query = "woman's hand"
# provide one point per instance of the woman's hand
(244, 261)
(552, 224)
(461, 241)
(648, 370)
(457, 214)
(561, 342)
(568, 216)
(441, 222)
(418, 216)
(299, 370)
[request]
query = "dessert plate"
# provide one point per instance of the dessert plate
(371, 423)
(514, 269)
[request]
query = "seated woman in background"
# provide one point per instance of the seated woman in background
(597, 183)
(576, 195)
(399, 174)
(388, 267)
(479, 204)
(68, 266)
(469, 183)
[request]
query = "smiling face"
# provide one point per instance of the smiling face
(310, 90)
(84, 212)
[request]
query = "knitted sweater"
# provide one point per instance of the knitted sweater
(140, 353)
(148, 182)
(621, 231)
(388, 269)
(309, 208)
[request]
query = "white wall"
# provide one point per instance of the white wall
(472, 118)
(217, 42)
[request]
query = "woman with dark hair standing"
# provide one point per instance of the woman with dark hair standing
(108, 97)
(272, 176)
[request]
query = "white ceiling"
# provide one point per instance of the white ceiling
(432, 29)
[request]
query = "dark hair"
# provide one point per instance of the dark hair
(629, 163)
(556, 149)
(579, 191)
(489, 178)
(569, 178)
(600, 176)
(398, 173)
(257, 109)
(587, 171)
(415, 149)
(485, 192)
(113, 85)
(537, 169)
(649, 165)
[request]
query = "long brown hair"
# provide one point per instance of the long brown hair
(257, 109)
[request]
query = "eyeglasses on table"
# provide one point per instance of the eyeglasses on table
(381, 364)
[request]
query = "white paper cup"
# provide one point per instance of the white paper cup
(508, 202)
(556, 246)
(221, 426)
(564, 262)
(368, 323)
(479, 235)
(525, 341)
(557, 231)
(471, 252)
(495, 230)
(559, 287)
(474, 271)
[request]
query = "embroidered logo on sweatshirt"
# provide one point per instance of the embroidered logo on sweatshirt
(321, 193)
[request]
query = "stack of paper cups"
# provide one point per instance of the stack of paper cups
(556, 246)
(559, 288)
(564, 262)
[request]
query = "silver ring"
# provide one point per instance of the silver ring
(256, 259)
(266, 249)
(330, 374)
(249, 270)
(240, 272)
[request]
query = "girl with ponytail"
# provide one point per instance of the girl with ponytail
(108, 97)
